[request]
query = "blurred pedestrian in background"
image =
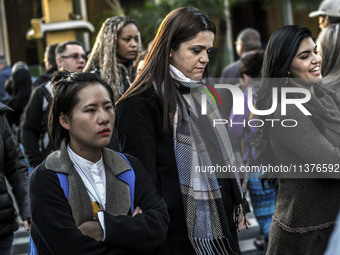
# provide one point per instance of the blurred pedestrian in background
(329, 46)
(263, 196)
(20, 94)
(70, 56)
(13, 168)
(103, 213)
(248, 39)
(50, 65)
(5, 73)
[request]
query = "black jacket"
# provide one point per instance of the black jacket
(140, 133)
(55, 219)
(14, 168)
(44, 78)
(34, 132)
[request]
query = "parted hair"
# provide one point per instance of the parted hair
(103, 57)
(22, 83)
(278, 57)
(180, 25)
(66, 86)
(50, 54)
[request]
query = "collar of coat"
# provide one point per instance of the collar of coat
(4, 108)
(117, 191)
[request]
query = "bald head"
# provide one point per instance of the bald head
(248, 39)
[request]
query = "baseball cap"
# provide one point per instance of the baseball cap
(327, 7)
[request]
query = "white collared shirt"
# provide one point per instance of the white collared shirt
(93, 176)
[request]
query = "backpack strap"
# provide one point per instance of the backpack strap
(129, 178)
(63, 183)
(32, 250)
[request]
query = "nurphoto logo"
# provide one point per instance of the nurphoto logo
(239, 104)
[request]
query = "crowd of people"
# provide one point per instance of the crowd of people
(107, 160)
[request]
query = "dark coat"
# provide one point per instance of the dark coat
(140, 132)
(14, 168)
(55, 219)
(230, 73)
(44, 78)
(34, 132)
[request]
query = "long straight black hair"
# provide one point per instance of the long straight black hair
(278, 57)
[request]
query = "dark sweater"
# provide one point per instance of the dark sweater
(307, 204)
(34, 132)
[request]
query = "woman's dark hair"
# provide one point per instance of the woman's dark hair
(50, 55)
(180, 25)
(251, 63)
(278, 57)
(22, 83)
(65, 90)
(9, 86)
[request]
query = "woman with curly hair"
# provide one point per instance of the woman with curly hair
(116, 47)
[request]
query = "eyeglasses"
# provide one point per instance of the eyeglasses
(76, 56)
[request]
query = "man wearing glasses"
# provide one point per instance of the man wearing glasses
(70, 56)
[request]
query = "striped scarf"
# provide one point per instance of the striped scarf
(208, 228)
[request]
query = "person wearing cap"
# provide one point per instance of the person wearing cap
(328, 13)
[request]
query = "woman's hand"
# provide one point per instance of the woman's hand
(136, 211)
(27, 225)
(243, 224)
(92, 229)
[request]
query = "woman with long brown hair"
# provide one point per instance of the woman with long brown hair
(160, 124)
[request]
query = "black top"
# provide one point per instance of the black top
(54, 228)
(140, 133)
